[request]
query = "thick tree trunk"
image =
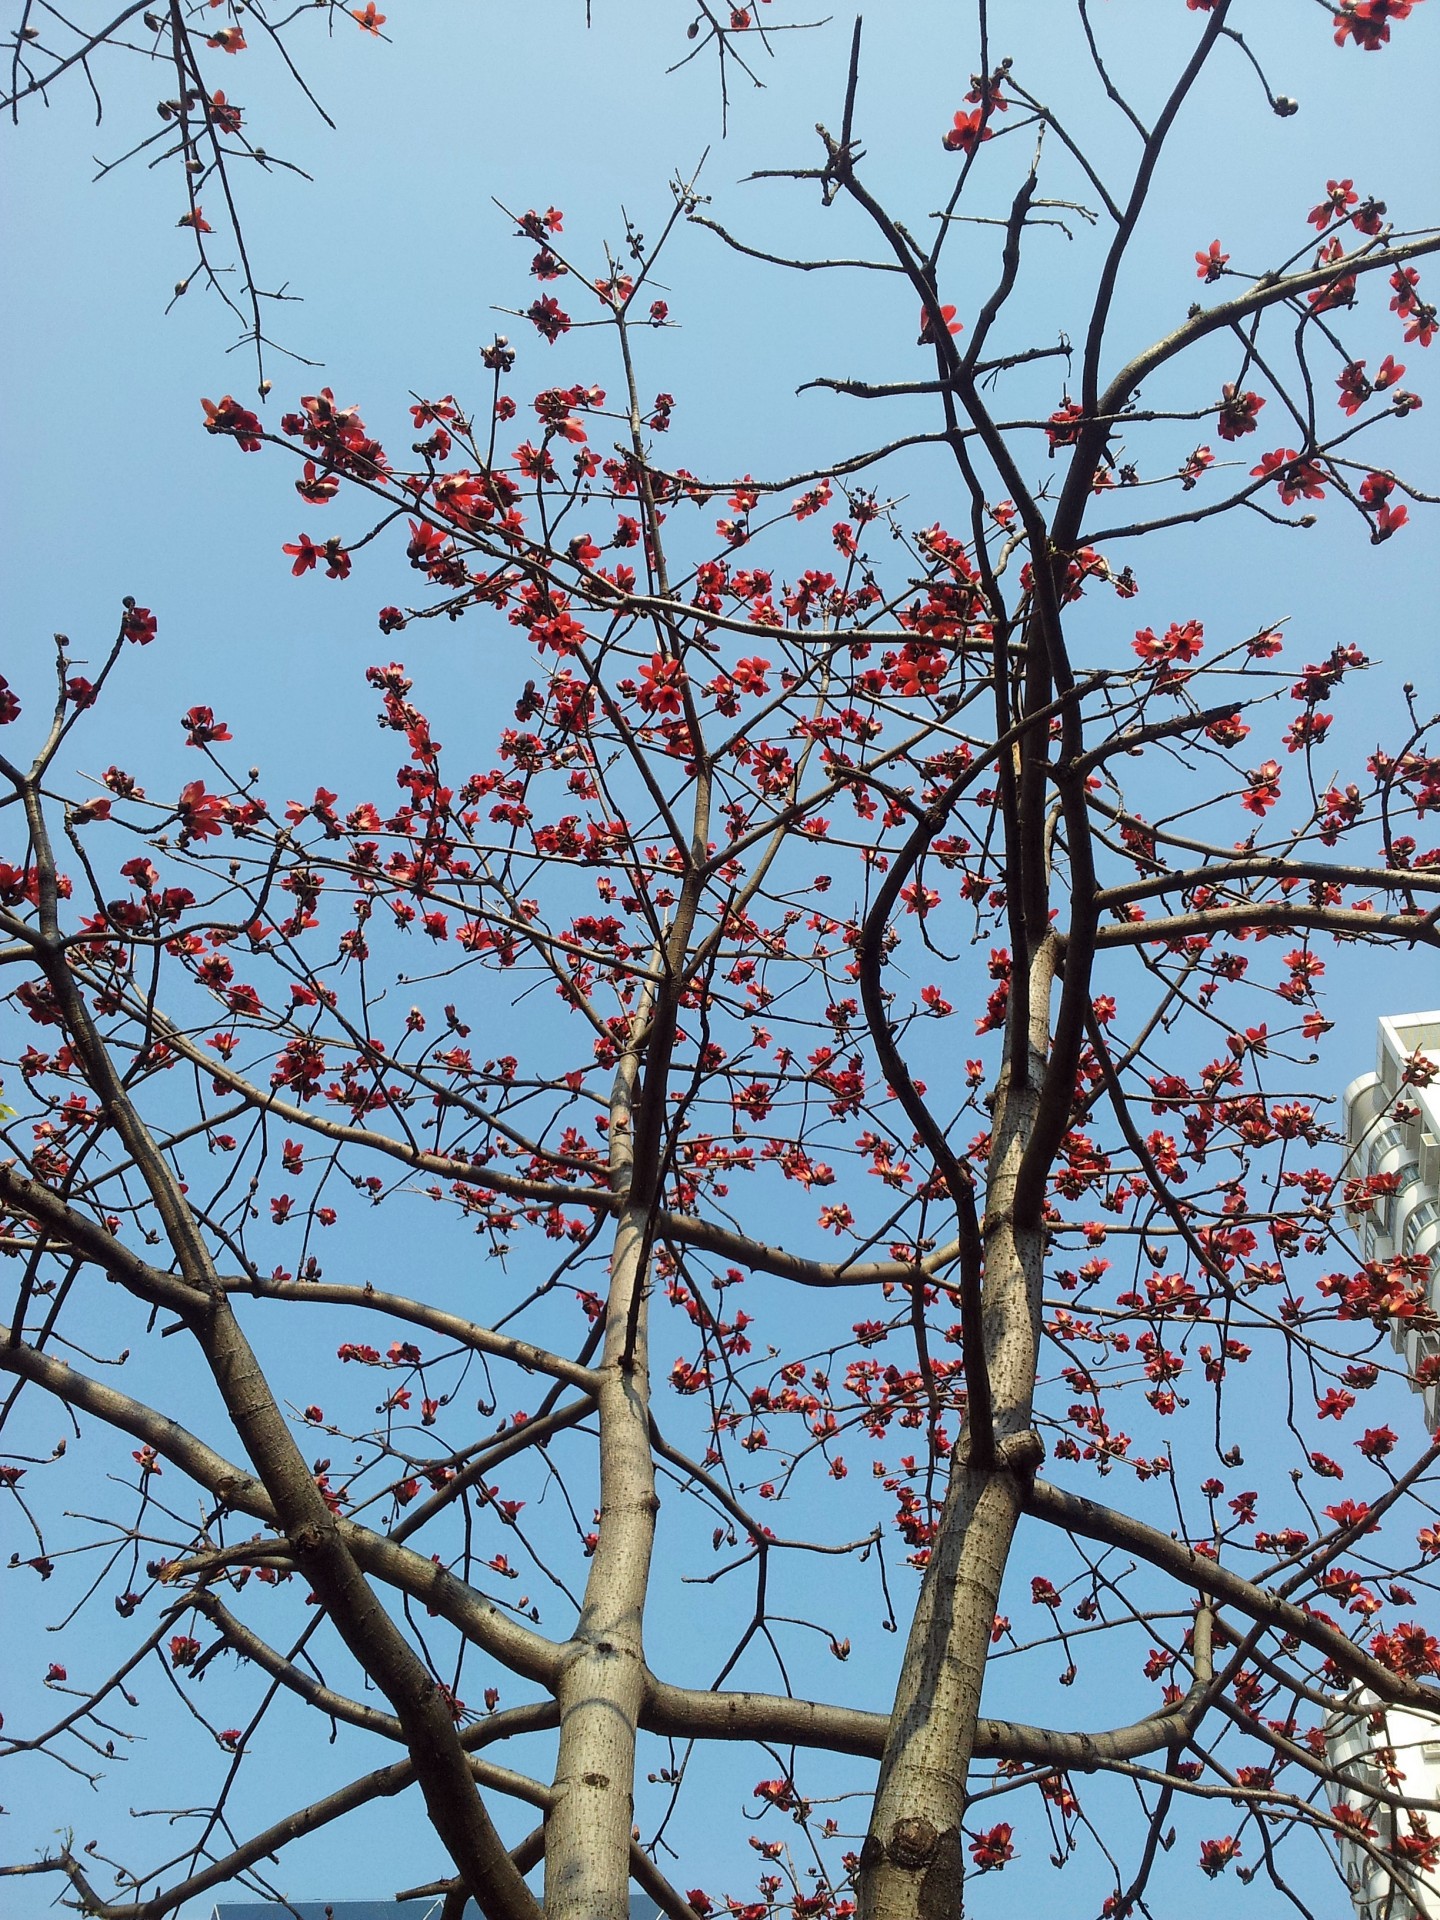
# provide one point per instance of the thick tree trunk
(912, 1863)
(912, 1866)
(602, 1677)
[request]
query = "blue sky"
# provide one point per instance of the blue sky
(400, 259)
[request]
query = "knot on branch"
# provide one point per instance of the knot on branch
(1021, 1454)
(310, 1536)
(914, 1845)
(911, 1844)
(839, 163)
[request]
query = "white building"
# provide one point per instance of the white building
(1397, 1751)
(1392, 1124)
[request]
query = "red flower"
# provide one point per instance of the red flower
(1389, 373)
(200, 812)
(1355, 389)
(927, 332)
(1367, 22)
(1211, 264)
(1294, 477)
(1216, 1854)
(993, 1849)
(1194, 466)
(367, 18)
(1064, 430)
(615, 289)
(317, 487)
(1228, 731)
(967, 133)
(1305, 479)
(305, 552)
(1237, 412)
(811, 502)
(1419, 1848)
(1340, 196)
(1387, 520)
(196, 219)
(660, 684)
(1404, 280)
(547, 318)
(779, 1793)
(1264, 788)
(139, 624)
(225, 116)
(535, 462)
(1264, 646)
(1178, 642)
(1409, 306)
(535, 226)
(1347, 1513)
(1308, 731)
(427, 544)
(230, 417)
(1354, 1819)
(228, 40)
(1409, 1649)
(1335, 293)
(201, 727)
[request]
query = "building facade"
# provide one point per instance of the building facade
(1392, 1126)
(1399, 1751)
(1392, 1123)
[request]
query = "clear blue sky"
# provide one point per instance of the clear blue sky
(399, 258)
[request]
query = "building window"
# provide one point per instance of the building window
(1381, 1143)
(1425, 1215)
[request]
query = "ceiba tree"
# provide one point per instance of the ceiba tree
(708, 1260)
